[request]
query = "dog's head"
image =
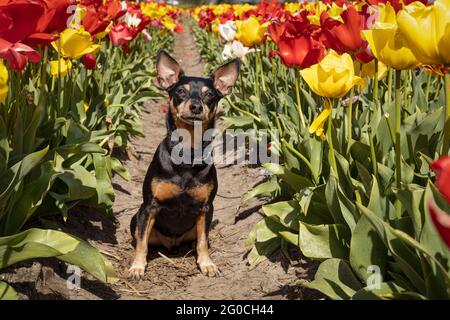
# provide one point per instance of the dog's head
(193, 98)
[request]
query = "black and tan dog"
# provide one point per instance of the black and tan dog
(178, 198)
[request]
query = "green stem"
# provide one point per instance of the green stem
(60, 102)
(373, 155)
(297, 93)
(398, 123)
(43, 79)
(389, 93)
(85, 84)
(349, 119)
(389, 99)
(242, 110)
(256, 82)
(243, 92)
(446, 144)
(332, 156)
(274, 76)
(261, 71)
(427, 91)
(375, 88)
(286, 85)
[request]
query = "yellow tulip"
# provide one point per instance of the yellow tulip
(292, 7)
(250, 32)
(387, 42)
(427, 31)
(65, 64)
(240, 9)
(333, 11)
(168, 23)
(3, 82)
(215, 26)
(85, 107)
(75, 43)
(333, 77)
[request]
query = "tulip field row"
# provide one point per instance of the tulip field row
(71, 79)
(359, 93)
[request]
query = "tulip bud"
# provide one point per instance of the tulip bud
(89, 62)
(179, 28)
(146, 35)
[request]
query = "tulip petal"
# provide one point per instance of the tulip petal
(317, 125)
(310, 76)
(441, 221)
(65, 65)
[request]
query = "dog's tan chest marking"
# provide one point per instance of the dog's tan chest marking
(165, 190)
(201, 193)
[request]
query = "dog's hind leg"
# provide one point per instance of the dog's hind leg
(145, 220)
(207, 267)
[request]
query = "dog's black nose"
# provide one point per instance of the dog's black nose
(196, 108)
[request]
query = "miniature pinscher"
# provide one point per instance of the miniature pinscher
(178, 197)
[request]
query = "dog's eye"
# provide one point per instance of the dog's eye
(181, 92)
(208, 95)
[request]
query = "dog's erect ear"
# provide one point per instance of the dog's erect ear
(169, 71)
(225, 76)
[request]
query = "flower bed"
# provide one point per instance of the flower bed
(359, 93)
(71, 80)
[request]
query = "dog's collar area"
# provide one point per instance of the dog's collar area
(193, 161)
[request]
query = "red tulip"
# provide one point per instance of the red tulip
(92, 21)
(20, 19)
(96, 3)
(299, 42)
(228, 15)
(442, 169)
(441, 221)
(17, 54)
(114, 10)
(89, 61)
(57, 15)
(270, 10)
(179, 28)
(276, 30)
(300, 24)
(120, 34)
(300, 52)
(344, 37)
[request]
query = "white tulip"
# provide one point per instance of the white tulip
(227, 30)
(132, 20)
(235, 50)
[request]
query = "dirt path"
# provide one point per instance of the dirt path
(173, 275)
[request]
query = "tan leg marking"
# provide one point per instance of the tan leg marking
(207, 267)
(137, 268)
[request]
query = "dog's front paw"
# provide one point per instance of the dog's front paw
(207, 267)
(136, 271)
